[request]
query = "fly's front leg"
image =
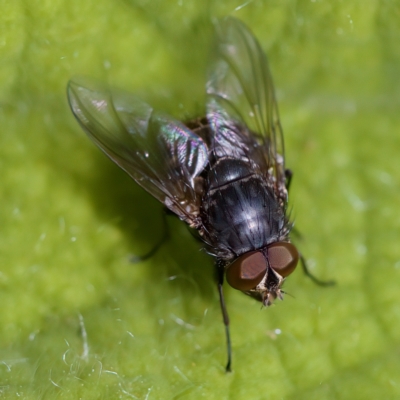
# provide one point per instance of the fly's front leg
(220, 280)
(312, 277)
(289, 176)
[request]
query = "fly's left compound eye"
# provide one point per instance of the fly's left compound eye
(246, 272)
(283, 258)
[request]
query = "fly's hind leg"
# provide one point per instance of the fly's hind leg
(288, 176)
(163, 239)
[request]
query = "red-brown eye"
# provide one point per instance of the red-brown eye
(246, 272)
(283, 258)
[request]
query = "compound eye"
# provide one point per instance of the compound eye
(283, 258)
(246, 272)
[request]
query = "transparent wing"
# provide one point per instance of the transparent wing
(242, 107)
(158, 152)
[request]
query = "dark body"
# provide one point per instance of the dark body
(240, 212)
(224, 175)
(240, 209)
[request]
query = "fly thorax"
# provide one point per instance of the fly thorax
(228, 170)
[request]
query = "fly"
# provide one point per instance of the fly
(224, 174)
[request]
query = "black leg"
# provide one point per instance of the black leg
(164, 238)
(312, 277)
(225, 317)
(288, 175)
(295, 232)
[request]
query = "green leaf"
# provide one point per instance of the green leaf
(79, 320)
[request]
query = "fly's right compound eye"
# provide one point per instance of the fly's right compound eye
(283, 258)
(246, 272)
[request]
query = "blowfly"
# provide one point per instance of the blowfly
(223, 174)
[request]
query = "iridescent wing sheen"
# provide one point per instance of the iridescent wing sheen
(159, 153)
(242, 107)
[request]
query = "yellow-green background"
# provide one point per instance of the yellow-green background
(70, 219)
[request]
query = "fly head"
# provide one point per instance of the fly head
(261, 273)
